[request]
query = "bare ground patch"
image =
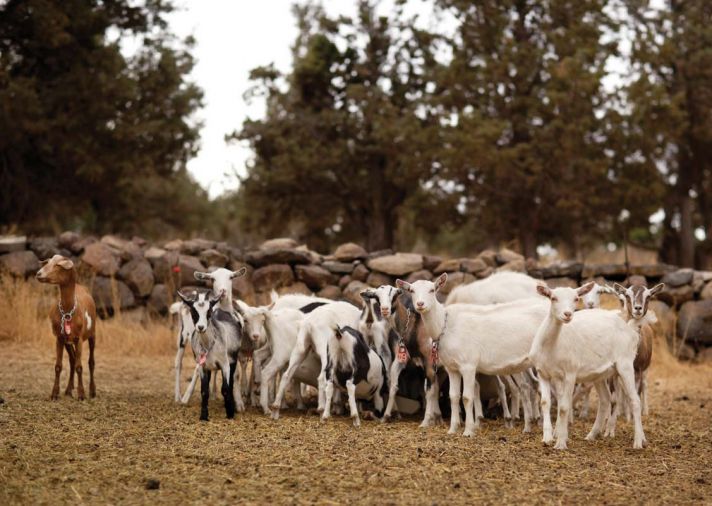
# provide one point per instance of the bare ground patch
(108, 449)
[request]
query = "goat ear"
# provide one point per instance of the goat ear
(586, 288)
(366, 294)
(238, 273)
(405, 286)
(656, 289)
(217, 297)
(66, 264)
(338, 332)
(185, 299)
(440, 282)
(237, 304)
(543, 290)
(399, 292)
(620, 290)
(201, 276)
(608, 289)
(271, 306)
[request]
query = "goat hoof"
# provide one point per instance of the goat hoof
(54, 396)
(591, 436)
(560, 445)
(508, 423)
(469, 433)
(357, 423)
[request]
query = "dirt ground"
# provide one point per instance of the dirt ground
(133, 437)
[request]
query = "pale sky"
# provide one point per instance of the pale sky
(233, 37)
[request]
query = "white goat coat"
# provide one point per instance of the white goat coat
(498, 288)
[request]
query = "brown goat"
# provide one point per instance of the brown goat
(73, 321)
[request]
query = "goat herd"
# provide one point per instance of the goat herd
(512, 327)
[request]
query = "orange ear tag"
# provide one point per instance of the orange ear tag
(402, 354)
(67, 327)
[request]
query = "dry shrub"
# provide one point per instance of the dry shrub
(24, 306)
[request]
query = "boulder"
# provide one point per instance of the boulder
(685, 353)
(456, 279)
(344, 280)
(563, 269)
(297, 287)
(677, 296)
(186, 268)
(174, 245)
(338, 267)
(279, 243)
(705, 355)
(138, 275)
(694, 322)
(706, 275)
(242, 286)
(678, 278)
(272, 276)
(12, 243)
(505, 256)
(159, 300)
(262, 257)
(485, 273)
(349, 251)
(67, 239)
(430, 262)
(20, 263)
(315, 276)
(376, 279)
(108, 298)
(101, 259)
(651, 270)
(606, 270)
(213, 258)
(706, 293)
(489, 257)
(195, 246)
(399, 264)
(78, 247)
(637, 280)
(379, 253)
(473, 265)
(353, 290)
(514, 266)
(314, 257)
(450, 265)
(561, 282)
(44, 247)
(115, 242)
(360, 273)
(665, 326)
(422, 274)
(165, 266)
(139, 241)
(330, 292)
(153, 253)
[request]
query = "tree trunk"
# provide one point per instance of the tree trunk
(687, 231)
(529, 242)
(379, 219)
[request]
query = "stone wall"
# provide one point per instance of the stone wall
(141, 278)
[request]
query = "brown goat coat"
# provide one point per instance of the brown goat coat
(60, 271)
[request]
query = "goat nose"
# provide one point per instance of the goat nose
(420, 303)
(567, 314)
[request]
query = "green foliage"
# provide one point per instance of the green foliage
(89, 138)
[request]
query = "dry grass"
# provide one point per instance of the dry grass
(25, 306)
(108, 449)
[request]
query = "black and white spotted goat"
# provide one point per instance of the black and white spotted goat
(356, 368)
(216, 343)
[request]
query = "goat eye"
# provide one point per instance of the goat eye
(554, 299)
(432, 290)
(577, 299)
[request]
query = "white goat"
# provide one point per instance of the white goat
(273, 333)
(495, 289)
(592, 299)
(353, 366)
(591, 347)
(185, 332)
(313, 335)
(468, 339)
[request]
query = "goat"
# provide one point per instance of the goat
(410, 343)
(498, 288)
(375, 328)
(312, 336)
(354, 367)
(274, 334)
(493, 339)
(221, 280)
(73, 321)
(184, 334)
(591, 347)
(216, 344)
(592, 299)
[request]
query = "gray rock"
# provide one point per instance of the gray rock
(108, 298)
(473, 265)
(514, 266)
(101, 259)
(330, 292)
(44, 247)
(193, 247)
(605, 270)
(272, 276)
(349, 251)
(187, 266)
(213, 258)
(159, 300)
(78, 247)
(12, 243)
(399, 264)
(360, 273)
(262, 257)
(694, 322)
(20, 263)
(138, 275)
(489, 257)
(165, 267)
(505, 256)
(561, 282)
(677, 296)
(376, 279)
(297, 287)
(344, 280)
(456, 279)
(678, 278)
(314, 276)
(706, 293)
(353, 290)
(338, 267)
(67, 239)
(279, 243)
(651, 270)
(430, 262)
(174, 245)
(422, 274)
(449, 265)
